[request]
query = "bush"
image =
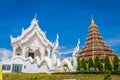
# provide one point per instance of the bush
(89, 72)
(115, 72)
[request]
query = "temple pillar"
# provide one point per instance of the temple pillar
(23, 51)
(48, 52)
(42, 52)
(14, 51)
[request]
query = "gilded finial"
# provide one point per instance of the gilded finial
(92, 22)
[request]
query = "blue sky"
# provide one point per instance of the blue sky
(69, 18)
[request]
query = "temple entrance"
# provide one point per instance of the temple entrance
(31, 55)
(17, 68)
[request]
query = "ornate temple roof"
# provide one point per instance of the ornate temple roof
(29, 32)
(95, 44)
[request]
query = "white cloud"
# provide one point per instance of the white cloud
(115, 44)
(113, 41)
(65, 52)
(4, 53)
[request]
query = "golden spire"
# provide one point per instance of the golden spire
(92, 21)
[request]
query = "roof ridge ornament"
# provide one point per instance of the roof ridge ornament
(23, 30)
(76, 49)
(34, 19)
(78, 44)
(11, 37)
(57, 42)
(57, 37)
(35, 15)
(56, 45)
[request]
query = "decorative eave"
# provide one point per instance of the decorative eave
(29, 32)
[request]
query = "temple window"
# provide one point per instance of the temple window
(46, 53)
(6, 67)
(18, 51)
(24, 66)
(16, 67)
(30, 54)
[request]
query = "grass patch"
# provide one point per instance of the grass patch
(45, 76)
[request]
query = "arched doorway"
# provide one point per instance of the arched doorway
(30, 53)
(18, 51)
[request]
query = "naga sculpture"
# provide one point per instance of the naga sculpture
(54, 63)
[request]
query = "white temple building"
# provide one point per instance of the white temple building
(31, 53)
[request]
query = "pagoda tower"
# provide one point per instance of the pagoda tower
(95, 45)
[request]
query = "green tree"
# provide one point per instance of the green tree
(79, 64)
(116, 62)
(107, 63)
(97, 62)
(90, 63)
(84, 64)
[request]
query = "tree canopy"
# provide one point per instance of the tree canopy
(107, 63)
(97, 62)
(115, 62)
(83, 64)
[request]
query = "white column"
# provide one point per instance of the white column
(23, 51)
(48, 51)
(42, 52)
(14, 51)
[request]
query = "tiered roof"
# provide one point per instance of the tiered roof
(95, 44)
(29, 32)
